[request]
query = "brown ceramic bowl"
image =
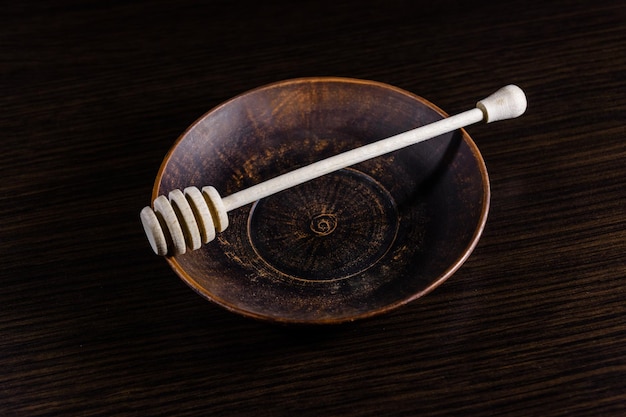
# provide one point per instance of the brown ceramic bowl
(352, 244)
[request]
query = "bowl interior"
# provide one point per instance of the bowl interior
(348, 245)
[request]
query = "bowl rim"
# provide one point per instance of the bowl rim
(486, 199)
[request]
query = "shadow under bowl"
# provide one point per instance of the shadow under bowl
(349, 245)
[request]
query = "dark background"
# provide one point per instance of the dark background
(94, 93)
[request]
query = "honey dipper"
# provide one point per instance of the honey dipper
(189, 218)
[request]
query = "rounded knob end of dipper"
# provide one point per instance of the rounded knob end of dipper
(506, 103)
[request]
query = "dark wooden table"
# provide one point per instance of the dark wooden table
(93, 323)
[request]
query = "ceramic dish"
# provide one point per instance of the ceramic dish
(352, 244)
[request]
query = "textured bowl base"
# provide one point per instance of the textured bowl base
(327, 229)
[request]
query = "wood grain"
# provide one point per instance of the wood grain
(93, 96)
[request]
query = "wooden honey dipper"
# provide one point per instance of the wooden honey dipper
(187, 219)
